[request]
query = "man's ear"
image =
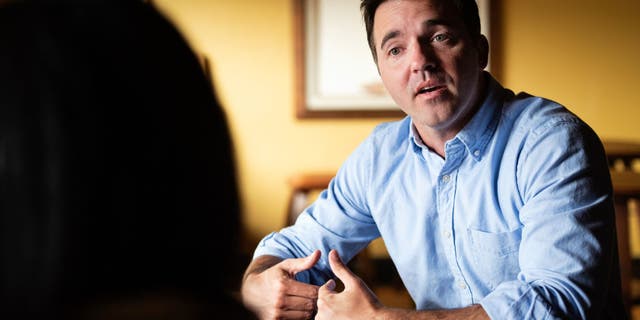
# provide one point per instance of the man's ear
(483, 51)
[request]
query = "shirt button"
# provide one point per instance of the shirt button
(447, 234)
(476, 153)
(462, 285)
(445, 178)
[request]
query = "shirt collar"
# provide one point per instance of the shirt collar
(414, 136)
(477, 133)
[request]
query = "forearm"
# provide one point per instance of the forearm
(261, 264)
(474, 312)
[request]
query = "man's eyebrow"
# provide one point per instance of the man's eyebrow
(428, 23)
(437, 22)
(388, 36)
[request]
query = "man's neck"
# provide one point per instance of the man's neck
(435, 139)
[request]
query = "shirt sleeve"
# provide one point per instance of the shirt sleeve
(338, 219)
(568, 248)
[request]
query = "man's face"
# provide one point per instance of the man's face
(428, 62)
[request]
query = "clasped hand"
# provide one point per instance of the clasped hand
(275, 294)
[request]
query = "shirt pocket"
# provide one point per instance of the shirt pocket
(495, 255)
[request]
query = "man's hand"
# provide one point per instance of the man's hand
(270, 290)
(356, 301)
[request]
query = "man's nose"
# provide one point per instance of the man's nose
(422, 57)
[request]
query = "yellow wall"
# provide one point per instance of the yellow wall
(582, 53)
(250, 43)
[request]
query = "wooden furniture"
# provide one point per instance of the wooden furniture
(623, 157)
(622, 154)
(303, 187)
(626, 188)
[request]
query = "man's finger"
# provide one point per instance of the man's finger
(327, 288)
(295, 314)
(294, 266)
(301, 289)
(293, 303)
(339, 268)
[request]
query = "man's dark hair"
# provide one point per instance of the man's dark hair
(467, 8)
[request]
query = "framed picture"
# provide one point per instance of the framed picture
(336, 76)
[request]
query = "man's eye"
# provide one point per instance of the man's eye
(394, 51)
(440, 37)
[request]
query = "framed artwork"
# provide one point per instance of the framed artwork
(336, 76)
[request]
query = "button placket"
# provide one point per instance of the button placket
(446, 200)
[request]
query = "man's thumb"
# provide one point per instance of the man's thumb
(294, 266)
(339, 268)
(328, 287)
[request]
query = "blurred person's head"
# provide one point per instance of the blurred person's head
(117, 176)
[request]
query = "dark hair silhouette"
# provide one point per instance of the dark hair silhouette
(117, 175)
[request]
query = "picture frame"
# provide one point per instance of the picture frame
(335, 74)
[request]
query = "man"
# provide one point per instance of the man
(491, 205)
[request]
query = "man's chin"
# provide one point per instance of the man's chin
(434, 104)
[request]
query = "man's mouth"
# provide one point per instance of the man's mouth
(428, 89)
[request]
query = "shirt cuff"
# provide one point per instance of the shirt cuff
(516, 300)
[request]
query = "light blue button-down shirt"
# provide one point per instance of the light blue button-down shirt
(518, 217)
